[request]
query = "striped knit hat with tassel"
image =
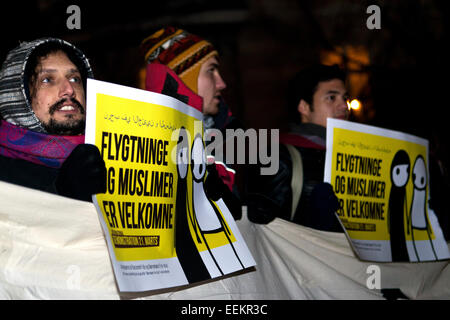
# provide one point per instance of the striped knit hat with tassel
(181, 51)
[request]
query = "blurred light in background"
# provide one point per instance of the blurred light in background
(354, 104)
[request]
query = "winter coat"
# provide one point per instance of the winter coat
(270, 196)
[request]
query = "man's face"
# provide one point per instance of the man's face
(57, 95)
(329, 101)
(210, 84)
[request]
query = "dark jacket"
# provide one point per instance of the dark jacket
(28, 174)
(271, 196)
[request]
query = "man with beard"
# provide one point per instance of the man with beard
(43, 113)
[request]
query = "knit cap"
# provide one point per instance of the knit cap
(181, 51)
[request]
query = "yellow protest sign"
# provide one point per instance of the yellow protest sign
(381, 180)
(161, 228)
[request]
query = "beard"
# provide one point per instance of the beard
(68, 127)
(71, 126)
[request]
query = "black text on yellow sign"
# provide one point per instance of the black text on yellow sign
(128, 148)
(369, 191)
(141, 215)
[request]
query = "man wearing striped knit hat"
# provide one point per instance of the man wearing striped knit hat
(186, 66)
(192, 58)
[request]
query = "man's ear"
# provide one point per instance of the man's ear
(304, 109)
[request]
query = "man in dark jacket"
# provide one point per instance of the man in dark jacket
(314, 95)
(42, 108)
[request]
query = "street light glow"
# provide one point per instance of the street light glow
(354, 104)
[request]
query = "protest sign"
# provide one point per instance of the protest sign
(161, 228)
(381, 179)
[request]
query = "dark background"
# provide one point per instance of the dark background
(399, 72)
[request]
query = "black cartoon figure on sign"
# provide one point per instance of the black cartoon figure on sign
(208, 218)
(419, 218)
(398, 208)
(187, 253)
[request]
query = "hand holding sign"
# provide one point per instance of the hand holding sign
(83, 174)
